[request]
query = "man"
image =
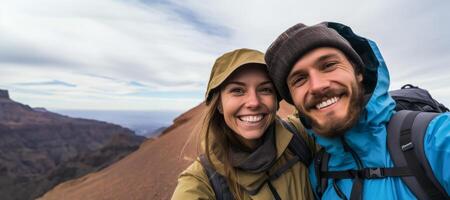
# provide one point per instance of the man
(339, 83)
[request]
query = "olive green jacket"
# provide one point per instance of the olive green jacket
(293, 184)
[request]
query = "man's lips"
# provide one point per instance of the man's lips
(325, 99)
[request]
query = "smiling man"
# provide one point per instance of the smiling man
(339, 83)
(326, 88)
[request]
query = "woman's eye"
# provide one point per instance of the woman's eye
(267, 90)
(237, 91)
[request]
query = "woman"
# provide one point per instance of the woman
(241, 137)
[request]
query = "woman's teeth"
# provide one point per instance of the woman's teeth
(251, 118)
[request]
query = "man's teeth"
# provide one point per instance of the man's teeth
(251, 118)
(327, 102)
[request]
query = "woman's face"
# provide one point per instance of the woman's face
(248, 103)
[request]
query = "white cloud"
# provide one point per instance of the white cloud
(169, 46)
(112, 38)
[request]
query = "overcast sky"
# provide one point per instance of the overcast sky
(157, 54)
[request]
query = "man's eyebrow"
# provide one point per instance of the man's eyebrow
(321, 59)
(326, 57)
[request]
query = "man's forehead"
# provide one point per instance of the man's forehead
(320, 54)
(315, 58)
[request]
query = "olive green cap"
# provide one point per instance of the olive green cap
(226, 64)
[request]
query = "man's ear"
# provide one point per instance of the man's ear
(359, 77)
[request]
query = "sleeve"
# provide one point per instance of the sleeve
(437, 148)
(193, 184)
(302, 131)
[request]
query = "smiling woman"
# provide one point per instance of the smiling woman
(243, 140)
(248, 103)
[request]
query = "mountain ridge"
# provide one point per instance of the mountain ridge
(39, 149)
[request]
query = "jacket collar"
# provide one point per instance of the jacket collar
(253, 181)
(368, 137)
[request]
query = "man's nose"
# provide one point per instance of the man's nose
(318, 83)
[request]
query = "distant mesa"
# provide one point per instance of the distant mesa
(40, 109)
(39, 148)
(4, 94)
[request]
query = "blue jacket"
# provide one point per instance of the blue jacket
(368, 139)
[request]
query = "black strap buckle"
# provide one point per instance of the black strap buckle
(375, 173)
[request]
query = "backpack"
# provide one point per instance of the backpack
(297, 146)
(405, 135)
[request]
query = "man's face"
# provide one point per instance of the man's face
(326, 90)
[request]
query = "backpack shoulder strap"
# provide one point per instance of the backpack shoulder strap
(297, 144)
(218, 182)
(406, 133)
(320, 167)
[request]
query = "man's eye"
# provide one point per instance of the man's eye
(329, 65)
(298, 81)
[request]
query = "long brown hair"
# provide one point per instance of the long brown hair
(217, 140)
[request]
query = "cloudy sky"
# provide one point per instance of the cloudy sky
(157, 54)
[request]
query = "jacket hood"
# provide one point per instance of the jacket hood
(229, 62)
(368, 136)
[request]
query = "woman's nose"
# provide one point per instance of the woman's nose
(253, 100)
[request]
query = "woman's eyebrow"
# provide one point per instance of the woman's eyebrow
(266, 82)
(235, 82)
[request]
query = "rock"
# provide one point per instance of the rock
(4, 94)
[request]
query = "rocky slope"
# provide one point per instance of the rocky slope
(148, 173)
(39, 149)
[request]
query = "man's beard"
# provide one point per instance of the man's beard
(334, 128)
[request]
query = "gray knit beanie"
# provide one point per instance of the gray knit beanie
(295, 42)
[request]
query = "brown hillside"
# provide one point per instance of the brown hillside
(148, 173)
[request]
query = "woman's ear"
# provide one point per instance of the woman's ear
(219, 108)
